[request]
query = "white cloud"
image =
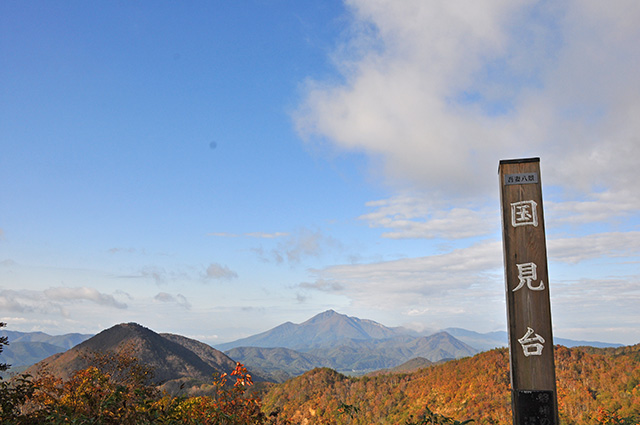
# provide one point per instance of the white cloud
(467, 284)
(419, 217)
(159, 275)
(11, 301)
(55, 300)
(407, 283)
(301, 244)
(413, 280)
(179, 299)
(218, 271)
(305, 243)
(164, 297)
(577, 249)
(594, 308)
(83, 293)
(598, 207)
(182, 301)
(206, 338)
(263, 235)
(439, 92)
(324, 285)
(446, 89)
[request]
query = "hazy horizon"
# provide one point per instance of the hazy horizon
(422, 331)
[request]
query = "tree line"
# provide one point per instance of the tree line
(595, 386)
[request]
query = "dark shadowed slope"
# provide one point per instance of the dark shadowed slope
(172, 357)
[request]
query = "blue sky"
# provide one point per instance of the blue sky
(214, 169)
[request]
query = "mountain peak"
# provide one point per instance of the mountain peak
(326, 328)
(325, 315)
(115, 336)
(173, 358)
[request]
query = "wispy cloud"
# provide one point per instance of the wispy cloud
(411, 280)
(407, 283)
(301, 244)
(218, 271)
(122, 250)
(598, 306)
(418, 217)
(323, 285)
(178, 299)
(258, 235)
(595, 208)
(159, 275)
(163, 277)
(263, 235)
(55, 300)
(83, 293)
(13, 301)
(612, 244)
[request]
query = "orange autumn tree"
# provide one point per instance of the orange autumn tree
(117, 389)
(228, 405)
(113, 390)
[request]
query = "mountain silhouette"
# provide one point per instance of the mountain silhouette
(321, 330)
(346, 344)
(175, 359)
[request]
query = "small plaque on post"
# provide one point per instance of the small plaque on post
(521, 178)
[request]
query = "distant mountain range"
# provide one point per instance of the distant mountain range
(352, 345)
(329, 339)
(65, 341)
(490, 340)
(28, 348)
(346, 344)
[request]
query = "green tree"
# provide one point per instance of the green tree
(3, 341)
(13, 395)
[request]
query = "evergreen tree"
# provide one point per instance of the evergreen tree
(3, 341)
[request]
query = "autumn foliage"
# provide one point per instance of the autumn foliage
(116, 390)
(595, 387)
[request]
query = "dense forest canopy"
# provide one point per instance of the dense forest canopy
(595, 386)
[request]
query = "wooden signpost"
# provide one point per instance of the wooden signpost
(533, 381)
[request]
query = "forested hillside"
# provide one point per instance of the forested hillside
(593, 385)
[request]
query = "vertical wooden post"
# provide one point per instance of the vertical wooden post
(533, 381)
